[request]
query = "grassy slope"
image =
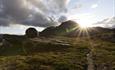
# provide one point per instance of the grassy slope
(59, 53)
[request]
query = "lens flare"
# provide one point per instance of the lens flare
(84, 26)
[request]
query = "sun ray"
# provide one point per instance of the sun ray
(85, 32)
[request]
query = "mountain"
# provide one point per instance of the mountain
(62, 29)
(71, 28)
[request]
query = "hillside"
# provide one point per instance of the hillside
(65, 47)
(55, 53)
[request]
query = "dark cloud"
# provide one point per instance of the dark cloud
(50, 6)
(4, 22)
(39, 5)
(62, 18)
(31, 12)
(16, 8)
(38, 20)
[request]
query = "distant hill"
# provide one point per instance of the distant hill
(72, 29)
(62, 29)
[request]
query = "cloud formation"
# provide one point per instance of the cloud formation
(94, 6)
(31, 12)
(16, 8)
(4, 22)
(41, 13)
(109, 22)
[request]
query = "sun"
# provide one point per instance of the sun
(84, 20)
(83, 26)
(83, 29)
(84, 23)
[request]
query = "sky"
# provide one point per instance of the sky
(18, 15)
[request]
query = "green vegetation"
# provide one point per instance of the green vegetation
(59, 53)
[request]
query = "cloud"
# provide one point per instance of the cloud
(4, 22)
(51, 7)
(16, 8)
(62, 18)
(94, 6)
(32, 12)
(38, 20)
(113, 26)
(109, 22)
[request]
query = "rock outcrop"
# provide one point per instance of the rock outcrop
(31, 33)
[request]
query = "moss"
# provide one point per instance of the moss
(59, 53)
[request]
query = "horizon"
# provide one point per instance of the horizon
(18, 15)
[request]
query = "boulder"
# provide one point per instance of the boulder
(31, 33)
